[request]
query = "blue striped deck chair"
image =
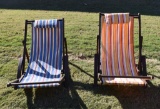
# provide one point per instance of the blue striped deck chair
(48, 53)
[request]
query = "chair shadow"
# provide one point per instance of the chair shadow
(145, 7)
(133, 97)
(81, 69)
(46, 73)
(55, 97)
(130, 97)
(140, 97)
(158, 77)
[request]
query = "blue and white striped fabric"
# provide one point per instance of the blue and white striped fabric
(45, 23)
(46, 54)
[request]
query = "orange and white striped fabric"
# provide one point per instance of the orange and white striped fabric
(117, 49)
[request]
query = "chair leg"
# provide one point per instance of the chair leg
(144, 69)
(19, 71)
(66, 71)
(95, 69)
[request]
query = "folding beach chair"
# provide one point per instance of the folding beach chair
(114, 62)
(48, 53)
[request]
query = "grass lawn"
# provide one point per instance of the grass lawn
(81, 29)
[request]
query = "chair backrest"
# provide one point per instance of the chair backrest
(117, 45)
(47, 46)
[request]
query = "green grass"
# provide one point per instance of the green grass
(81, 29)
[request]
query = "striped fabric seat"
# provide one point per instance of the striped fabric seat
(46, 54)
(117, 49)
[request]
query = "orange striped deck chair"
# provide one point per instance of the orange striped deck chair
(114, 62)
